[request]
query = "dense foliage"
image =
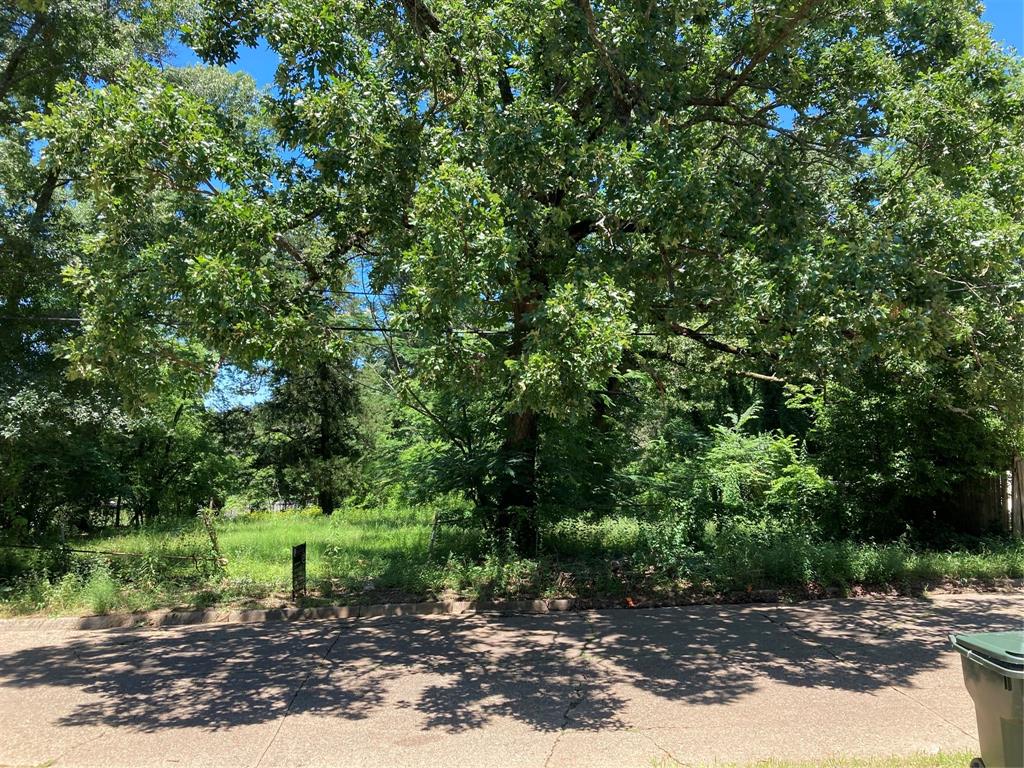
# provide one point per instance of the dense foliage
(715, 262)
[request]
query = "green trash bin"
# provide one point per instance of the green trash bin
(993, 665)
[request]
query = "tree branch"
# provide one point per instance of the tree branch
(708, 341)
(420, 16)
(296, 253)
(651, 354)
(42, 201)
(18, 54)
(505, 88)
(623, 89)
(738, 80)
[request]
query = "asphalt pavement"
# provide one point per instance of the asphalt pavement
(619, 688)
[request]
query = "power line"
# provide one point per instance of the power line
(373, 294)
(468, 331)
(39, 319)
(399, 332)
(347, 328)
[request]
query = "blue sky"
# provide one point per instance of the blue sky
(258, 62)
(1007, 20)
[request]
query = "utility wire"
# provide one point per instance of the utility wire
(346, 328)
(41, 319)
(396, 332)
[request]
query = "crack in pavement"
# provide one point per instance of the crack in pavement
(643, 733)
(73, 747)
(576, 695)
(820, 642)
(321, 662)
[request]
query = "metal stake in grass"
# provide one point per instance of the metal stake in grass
(298, 571)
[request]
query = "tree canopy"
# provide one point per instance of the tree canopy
(520, 213)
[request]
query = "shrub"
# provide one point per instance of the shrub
(761, 476)
(100, 592)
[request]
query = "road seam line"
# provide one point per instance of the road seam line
(320, 663)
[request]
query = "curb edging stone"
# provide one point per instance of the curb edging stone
(156, 619)
(167, 618)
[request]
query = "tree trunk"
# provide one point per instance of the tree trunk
(151, 510)
(325, 500)
(516, 519)
(325, 444)
(773, 403)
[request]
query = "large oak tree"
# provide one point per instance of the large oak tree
(550, 192)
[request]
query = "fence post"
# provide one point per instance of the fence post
(298, 571)
(1016, 497)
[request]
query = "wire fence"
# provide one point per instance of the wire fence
(111, 553)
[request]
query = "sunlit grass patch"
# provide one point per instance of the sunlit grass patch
(942, 760)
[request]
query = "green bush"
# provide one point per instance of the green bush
(100, 592)
(899, 443)
(740, 475)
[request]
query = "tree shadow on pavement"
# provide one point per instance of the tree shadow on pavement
(718, 654)
(461, 673)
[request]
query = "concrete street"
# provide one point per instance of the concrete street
(618, 688)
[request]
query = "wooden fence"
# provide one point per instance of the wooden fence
(993, 503)
(1015, 497)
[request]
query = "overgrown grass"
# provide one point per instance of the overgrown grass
(378, 555)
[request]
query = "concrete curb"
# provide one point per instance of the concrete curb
(153, 619)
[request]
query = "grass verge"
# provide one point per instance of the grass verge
(942, 760)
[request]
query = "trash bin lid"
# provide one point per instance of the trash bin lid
(1005, 648)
